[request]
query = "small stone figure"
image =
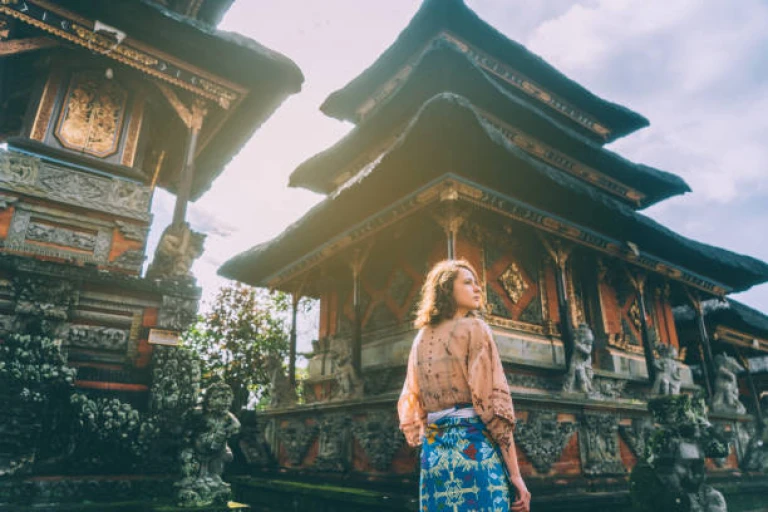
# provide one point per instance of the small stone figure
(580, 370)
(671, 477)
(281, 393)
(726, 395)
(668, 377)
(756, 454)
(350, 385)
(206, 451)
(177, 250)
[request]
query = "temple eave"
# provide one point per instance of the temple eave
(245, 267)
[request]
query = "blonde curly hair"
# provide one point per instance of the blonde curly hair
(437, 302)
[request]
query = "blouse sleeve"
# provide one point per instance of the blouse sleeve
(409, 408)
(490, 390)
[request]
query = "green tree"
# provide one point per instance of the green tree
(244, 327)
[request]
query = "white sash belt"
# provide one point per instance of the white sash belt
(451, 412)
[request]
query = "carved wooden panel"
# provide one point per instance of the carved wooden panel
(92, 114)
(512, 284)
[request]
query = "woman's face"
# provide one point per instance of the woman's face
(466, 291)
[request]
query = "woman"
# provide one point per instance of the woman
(456, 402)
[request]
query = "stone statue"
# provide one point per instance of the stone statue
(349, 383)
(668, 376)
(756, 454)
(281, 393)
(177, 250)
(205, 450)
(580, 370)
(672, 474)
(726, 395)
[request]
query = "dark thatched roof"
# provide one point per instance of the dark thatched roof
(443, 68)
(467, 145)
(435, 16)
(728, 312)
(269, 76)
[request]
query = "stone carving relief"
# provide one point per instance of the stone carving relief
(177, 250)
(380, 438)
(253, 442)
(333, 443)
(18, 168)
(755, 456)
(295, 438)
(580, 373)
(177, 313)
(112, 195)
(543, 438)
(102, 338)
(726, 393)
(130, 259)
(636, 435)
(132, 231)
(46, 233)
(42, 304)
(599, 445)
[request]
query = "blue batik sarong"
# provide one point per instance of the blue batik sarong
(462, 468)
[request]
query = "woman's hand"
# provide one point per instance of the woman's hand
(523, 503)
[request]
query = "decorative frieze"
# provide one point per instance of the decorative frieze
(132, 231)
(380, 438)
(42, 234)
(177, 313)
(97, 337)
(56, 235)
(543, 438)
(295, 438)
(636, 435)
(333, 443)
(30, 176)
(599, 444)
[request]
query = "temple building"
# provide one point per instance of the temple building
(100, 103)
(468, 145)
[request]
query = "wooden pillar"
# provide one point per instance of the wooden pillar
(560, 254)
(295, 298)
(638, 282)
(450, 217)
(705, 348)
(192, 118)
(194, 122)
(356, 263)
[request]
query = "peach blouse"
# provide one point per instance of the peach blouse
(456, 362)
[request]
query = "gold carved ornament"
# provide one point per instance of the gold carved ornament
(92, 116)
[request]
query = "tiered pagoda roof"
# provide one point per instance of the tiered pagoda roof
(439, 106)
(175, 42)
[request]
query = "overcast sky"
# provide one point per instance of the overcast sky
(697, 69)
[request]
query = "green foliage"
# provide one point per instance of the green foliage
(235, 339)
(33, 367)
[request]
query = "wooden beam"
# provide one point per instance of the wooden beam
(17, 46)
